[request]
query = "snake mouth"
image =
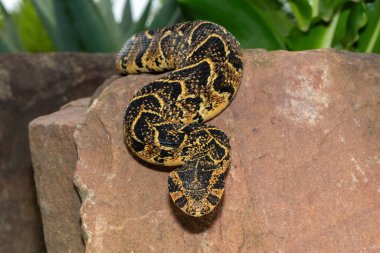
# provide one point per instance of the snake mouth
(120, 64)
(199, 208)
(196, 202)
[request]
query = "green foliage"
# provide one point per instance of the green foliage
(255, 23)
(72, 25)
(89, 25)
(31, 30)
(9, 38)
(369, 40)
(294, 24)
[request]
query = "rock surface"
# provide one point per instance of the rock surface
(305, 176)
(33, 85)
(59, 202)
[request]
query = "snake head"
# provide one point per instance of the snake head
(123, 58)
(196, 189)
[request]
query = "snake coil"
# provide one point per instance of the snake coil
(164, 122)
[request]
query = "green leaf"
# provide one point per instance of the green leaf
(126, 21)
(341, 28)
(277, 18)
(356, 20)
(252, 25)
(32, 31)
(303, 12)
(267, 4)
(319, 36)
(176, 17)
(64, 35)
(9, 37)
(3, 11)
(369, 40)
(168, 14)
(5, 45)
(140, 24)
(88, 23)
(58, 24)
(327, 8)
(44, 9)
(105, 7)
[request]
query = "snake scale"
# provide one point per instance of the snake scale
(164, 121)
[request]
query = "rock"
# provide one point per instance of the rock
(33, 85)
(59, 202)
(305, 176)
(305, 171)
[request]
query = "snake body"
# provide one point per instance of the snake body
(164, 121)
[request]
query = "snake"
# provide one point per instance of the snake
(164, 123)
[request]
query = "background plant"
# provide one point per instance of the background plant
(77, 25)
(85, 25)
(295, 24)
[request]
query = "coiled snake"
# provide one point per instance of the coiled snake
(163, 123)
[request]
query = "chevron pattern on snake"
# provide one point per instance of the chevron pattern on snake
(164, 122)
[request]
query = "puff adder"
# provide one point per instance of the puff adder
(164, 122)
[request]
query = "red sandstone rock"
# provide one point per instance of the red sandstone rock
(32, 85)
(54, 158)
(305, 173)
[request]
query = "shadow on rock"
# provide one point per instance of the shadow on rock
(150, 165)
